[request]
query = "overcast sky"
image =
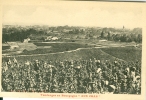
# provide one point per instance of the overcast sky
(73, 15)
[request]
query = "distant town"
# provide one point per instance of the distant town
(20, 38)
(58, 33)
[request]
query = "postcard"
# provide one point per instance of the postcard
(73, 49)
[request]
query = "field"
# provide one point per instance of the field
(74, 55)
(125, 53)
(5, 47)
(54, 47)
(76, 51)
(121, 53)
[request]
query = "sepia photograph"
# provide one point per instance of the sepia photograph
(72, 48)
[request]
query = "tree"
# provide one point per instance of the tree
(123, 38)
(109, 36)
(102, 34)
(139, 38)
(117, 37)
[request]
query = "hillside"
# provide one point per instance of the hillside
(126, 53)
(85, 54)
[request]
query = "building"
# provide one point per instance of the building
(26, 40)
(55, 38)
(67, 30)
(48, 38)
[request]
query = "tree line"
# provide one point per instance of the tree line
(131, 36)
(16, 34)
(111, 34)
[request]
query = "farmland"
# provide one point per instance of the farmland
(74, 55)
(70, 40)
(124, 53)
(44, 47)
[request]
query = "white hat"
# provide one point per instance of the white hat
(106, 82)
(98, 61)
(98, 70)
(115, 61)
(127, 69)
(78, 67)
(137, 77)
(27, 63)
(112, 86)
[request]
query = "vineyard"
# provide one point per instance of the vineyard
(82, 67)
(86, 68)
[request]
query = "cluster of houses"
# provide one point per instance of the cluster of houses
(51, 38)
(17, 44)
(26, 40)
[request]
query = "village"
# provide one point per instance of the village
(17, 39)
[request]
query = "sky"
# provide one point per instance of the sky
(76, 14)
